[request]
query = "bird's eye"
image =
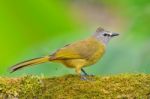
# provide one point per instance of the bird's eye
(105, 34)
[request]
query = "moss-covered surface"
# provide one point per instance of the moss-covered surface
(123, 86)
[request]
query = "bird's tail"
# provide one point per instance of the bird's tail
(29, 63)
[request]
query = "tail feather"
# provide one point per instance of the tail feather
(29, 63)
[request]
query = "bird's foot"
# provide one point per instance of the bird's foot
(83, 77)
(87, 77)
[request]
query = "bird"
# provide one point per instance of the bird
(76, 55)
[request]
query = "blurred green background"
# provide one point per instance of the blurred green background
(34, 28)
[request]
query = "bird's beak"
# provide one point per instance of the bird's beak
(114, 34)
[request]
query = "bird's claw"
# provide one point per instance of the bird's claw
(87, 77)
(84, 78)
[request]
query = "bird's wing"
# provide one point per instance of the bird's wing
(78, 50)
(67, 52)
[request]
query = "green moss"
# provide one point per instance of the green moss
(71, 87)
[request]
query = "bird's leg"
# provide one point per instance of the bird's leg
(86, 75)
(84, 72)
(78, 71)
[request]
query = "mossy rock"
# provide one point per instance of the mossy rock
(123, 86)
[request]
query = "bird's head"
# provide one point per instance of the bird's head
(103, 35)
